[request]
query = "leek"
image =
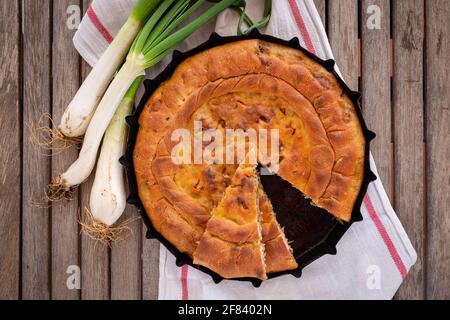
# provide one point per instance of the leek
(145, 52)
(108, 198)
(108, 195)
(240, 7)
(78, 114)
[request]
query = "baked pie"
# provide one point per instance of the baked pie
(232, 243)
(247, 85)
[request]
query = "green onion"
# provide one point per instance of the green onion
(108, 194)
(76, 117)
(252, 25)
(240, 8)
(142, 55)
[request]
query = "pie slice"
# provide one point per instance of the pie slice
(278, 252)
(231, 245)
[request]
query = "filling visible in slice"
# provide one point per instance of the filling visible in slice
(231, 245)
(278, 252)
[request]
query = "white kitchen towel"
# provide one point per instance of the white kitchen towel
(373, 257)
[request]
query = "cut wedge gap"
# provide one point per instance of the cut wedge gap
(279, 254)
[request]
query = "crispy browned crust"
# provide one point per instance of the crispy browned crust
(230, 260)
(231, 245)
(278, 252)
(328, 169)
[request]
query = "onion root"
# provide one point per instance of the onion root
(104, 234)
(58, 191)
(48, 137)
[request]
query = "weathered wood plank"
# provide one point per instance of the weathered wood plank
(438, 148)
(10, 157)
(321, 8)
(95, 272)
(408, 26)
(95, 284)
(125, 256)
(36, 280)
(126, 263)
(376, 85)
(66, 76)
(408, 133)
(342, 28)
(150, 267)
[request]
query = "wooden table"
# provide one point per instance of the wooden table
(402, 73)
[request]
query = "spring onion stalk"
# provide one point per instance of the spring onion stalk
(108, 198)
(76, 117)
(108, 195)
(240, 7)
(141, 56)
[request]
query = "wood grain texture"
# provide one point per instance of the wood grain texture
(150, 267)
(408, 26)
(95, 257)
(376, 88)
(10, 156)
(126, 266)
(95, 271)
(438, 148)
(321, 9)
(37, 246)
(36, 251)
(66, 78)
(343, 35)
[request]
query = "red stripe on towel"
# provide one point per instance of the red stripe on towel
(367, 201)
(301, 26)
(184, 286)
(99, 25)
(385, 236)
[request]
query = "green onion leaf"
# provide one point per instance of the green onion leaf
(177, 9)
(240, 7)
(142, 9)
(260, 24)
(142, 38)
(174, 39)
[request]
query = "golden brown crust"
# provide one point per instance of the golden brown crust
(231, 244)
(229, 260)
(323, 146)
(278, 256)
